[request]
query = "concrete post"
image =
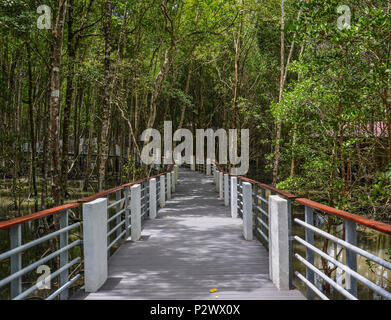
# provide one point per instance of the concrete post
(234, 197)
(152, 198)
(136, 212)
(247, 211)
(192, 163)
(221, 185)
(172, 182)
(95, 244)
(168, 186)
(162, 192)
(217, 180)
(176, 174)
(226, 190)
(279, 242)
(208, 167)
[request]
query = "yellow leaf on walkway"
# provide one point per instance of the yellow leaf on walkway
(213, 290)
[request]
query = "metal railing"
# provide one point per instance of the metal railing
(260, 207)
(349, 244)
(18, 271)
(65, 238)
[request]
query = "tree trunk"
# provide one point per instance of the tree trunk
(32, 130)
(55, 88)
(68, 101)
(238, 48)
(90, 138)
(104, 148)
(279, 124)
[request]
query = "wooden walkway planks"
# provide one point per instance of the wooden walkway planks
(193, 246)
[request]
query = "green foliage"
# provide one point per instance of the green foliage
(337, 95)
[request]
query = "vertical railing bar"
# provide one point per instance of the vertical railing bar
(127, 193)
(64, 256)
(255, 211)
(147, 196)
(117, 209)
(309, 237)
(290, 244)
(351, 257)
(16, 259)
(263, 216)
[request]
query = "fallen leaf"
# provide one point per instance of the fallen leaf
(213, 290)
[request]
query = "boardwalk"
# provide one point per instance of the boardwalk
(193, 246)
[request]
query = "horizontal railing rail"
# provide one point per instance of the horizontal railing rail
(119, 202)
(261, 224)
(62, 252)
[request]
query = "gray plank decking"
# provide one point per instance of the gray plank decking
(193, 246)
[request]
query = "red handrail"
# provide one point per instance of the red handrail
(373, 224)
(37, 215)
(40, 214)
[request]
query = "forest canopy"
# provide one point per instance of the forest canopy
(310, 79)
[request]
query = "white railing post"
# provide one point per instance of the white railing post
(173, 182)
(247, 211)
(168, 186)
(221, 185)
(162, 192)
(279, 242)
(95, 244)
(136, 212)
(152, 198)
(192, 163)
(234, 197)
(176, 174)
(217, 180)
(208, 167)
(226, 190)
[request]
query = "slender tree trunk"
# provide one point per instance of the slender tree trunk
(293, 151)
(44, 190)
(32, 130)
(157, 85)
(189, 73)
(90, 138)
(104, 148)
(238, 49)
(68, 101)
(55, 88)
(279, 124)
